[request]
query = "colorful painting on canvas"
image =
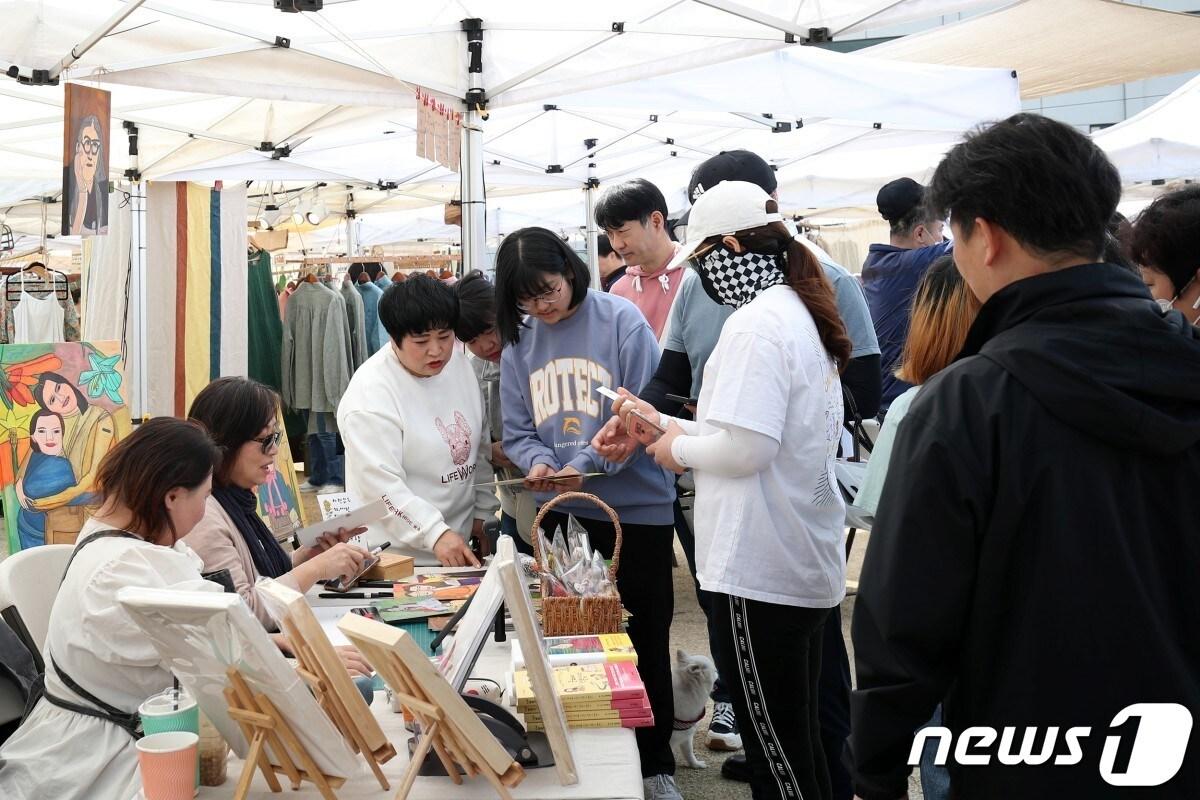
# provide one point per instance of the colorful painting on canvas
(85, 161)
(279, 503)
(62, 409)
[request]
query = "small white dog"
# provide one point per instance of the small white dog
(692, 680)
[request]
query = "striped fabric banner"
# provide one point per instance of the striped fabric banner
(196, 242)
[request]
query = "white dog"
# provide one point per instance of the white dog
(692, 680)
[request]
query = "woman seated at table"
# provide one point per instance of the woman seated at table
(413, 423)
(241, 416)
(77, 742)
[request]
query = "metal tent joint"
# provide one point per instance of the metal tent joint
(36, 77)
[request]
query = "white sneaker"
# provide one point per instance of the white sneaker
(723, 729)
(660, 787)
(331, 488)
(309, 488)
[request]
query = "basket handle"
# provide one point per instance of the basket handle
(612, 515)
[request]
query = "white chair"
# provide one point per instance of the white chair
(29, 582)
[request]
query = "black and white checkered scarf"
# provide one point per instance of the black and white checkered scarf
(734, 279)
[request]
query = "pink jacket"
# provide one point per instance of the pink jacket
(652, 292)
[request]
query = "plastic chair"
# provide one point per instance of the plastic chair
(29, 582)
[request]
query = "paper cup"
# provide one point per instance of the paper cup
(168, 765)
(171, 711)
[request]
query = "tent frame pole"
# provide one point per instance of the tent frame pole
(591, 188)
(754, 15)
(78, 51)
(351, 227)
(474, 202)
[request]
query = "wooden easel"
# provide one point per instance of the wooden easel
(270, 734)
(321, 668)
(346, 718)
(447, 724)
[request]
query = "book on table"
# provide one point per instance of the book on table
(563, 651)
(605, 695)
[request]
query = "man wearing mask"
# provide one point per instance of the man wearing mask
(892, 271)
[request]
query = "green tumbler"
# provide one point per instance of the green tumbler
(171, 710)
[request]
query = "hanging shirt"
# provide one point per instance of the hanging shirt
(53, 285)
(315, 365)
(356, 319)
(37, 319)
(68, 756)
(376, 335)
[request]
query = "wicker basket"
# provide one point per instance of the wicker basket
(580, 616)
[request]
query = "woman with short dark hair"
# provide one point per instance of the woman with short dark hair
(78, 741)
(241, 415)
(415, 431)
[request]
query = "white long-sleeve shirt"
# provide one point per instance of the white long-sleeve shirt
(423, 442)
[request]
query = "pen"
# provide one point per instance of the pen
(355, 595)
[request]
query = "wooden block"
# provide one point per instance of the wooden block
(391, 567)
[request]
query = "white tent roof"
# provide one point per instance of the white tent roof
(373, 52)
(1061, 45)
(1162, 142)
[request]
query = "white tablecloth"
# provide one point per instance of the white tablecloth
(606, 759)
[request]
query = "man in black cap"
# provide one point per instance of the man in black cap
(892, 271)
(693, 330)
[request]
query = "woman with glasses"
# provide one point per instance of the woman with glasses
(241, 416)
(563, 341)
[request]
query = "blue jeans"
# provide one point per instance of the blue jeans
(508, 527)
(323, 462)
(935, 780)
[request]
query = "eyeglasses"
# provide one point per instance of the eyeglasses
(90, 146)
(269, 441)
(545, 298)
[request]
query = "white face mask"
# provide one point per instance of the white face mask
(1167, 305)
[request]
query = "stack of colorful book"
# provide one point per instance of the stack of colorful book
(565, 651)
(606, 695)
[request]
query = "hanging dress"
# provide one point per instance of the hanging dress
(37, 319)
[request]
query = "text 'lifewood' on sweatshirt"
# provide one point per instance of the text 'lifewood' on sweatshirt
(552, 410)
(424, 443)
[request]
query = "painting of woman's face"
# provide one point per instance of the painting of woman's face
(48, 435)
(87, 153)
(60, 398)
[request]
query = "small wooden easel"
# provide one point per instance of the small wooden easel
(321, 668)
(447, 723)
(269, 734)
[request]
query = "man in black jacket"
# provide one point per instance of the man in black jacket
(1033, 563)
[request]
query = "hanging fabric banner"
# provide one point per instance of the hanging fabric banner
(196, 244)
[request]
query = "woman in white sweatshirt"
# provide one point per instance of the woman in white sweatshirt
(769, 517)
(413, 423)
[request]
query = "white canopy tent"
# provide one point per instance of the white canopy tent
(1059, 46)
(1160, 143)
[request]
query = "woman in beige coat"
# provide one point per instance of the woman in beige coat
(241, 416)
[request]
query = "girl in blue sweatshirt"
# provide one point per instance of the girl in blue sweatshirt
(564, 340)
